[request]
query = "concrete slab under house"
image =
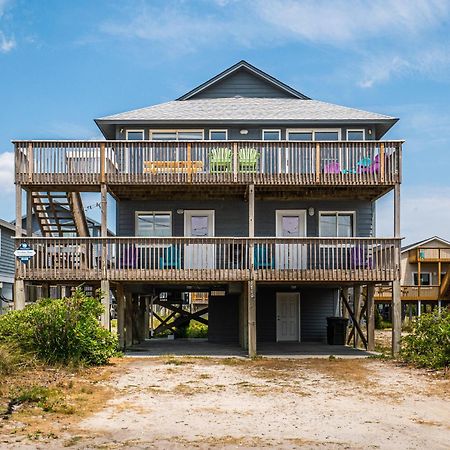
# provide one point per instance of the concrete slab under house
(243, 205)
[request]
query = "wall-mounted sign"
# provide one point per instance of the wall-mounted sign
(24, 252)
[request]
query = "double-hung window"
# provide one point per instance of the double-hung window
(337, 224)
(135, 135)
(153, 224)
(425, 279)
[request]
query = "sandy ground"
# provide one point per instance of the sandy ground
(204, 403)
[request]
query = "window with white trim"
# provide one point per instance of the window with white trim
(323, 134)
(355, 135)
(337, 224)
(176, 135)
(271, 135)
(135, 135)
(218, 135)
(154, 224)
(425, 279)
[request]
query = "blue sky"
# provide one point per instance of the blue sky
(64, 63)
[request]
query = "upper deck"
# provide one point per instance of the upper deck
(86, 164)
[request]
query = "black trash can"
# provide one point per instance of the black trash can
(336, 330)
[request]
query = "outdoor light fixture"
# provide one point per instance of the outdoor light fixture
(180, 211)
(311, 211)
(243, 131)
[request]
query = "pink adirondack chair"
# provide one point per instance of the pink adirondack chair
(332, 167)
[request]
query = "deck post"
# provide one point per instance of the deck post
(243, 317)
(128, 319)
(29, 224)
(147, 318)
(19, 285)
(357, 312)
(419, 308)
(120, 298)
(396, 299)
(251, 285)
(370, 317)
(105, 318)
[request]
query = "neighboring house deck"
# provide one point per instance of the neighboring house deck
(425, 273)
(243, 186)
(7, 266)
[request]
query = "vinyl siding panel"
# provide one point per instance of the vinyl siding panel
(231, 216)
(7, 259)
(244, 84)
(316, 304)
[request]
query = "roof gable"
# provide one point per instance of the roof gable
(243, 80)
(426, 242)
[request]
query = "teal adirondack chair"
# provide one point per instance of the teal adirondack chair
(220, 160)
(248, 160)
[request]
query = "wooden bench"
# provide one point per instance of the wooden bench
(173, 166)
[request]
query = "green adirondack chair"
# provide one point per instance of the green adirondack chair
(248, 160)
(220, 160)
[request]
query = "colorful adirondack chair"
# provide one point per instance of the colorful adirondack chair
(220, 160)
(248, 160)
(332, 167)
(263, 260)
(170, 258)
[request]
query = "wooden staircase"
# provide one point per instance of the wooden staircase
(444, 291)
(60, 214)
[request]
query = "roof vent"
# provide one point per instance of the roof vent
(238, 96)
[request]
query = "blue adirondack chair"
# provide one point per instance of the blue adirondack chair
(262, 258)
(170, 258)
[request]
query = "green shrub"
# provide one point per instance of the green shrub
(196, 330)
(60, 331)
(428, 344)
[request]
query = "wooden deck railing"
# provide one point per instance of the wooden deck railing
(211, 259)
(408, 293)
(208, 162)
(430, 255)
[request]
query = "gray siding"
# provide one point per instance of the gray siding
(7, 259)
(254, 132)
(231, 216)
(316, 304)
(242, 83)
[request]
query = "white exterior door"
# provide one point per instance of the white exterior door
(198, 224)
(288, 316)
(290, 223)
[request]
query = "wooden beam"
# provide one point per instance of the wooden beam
(19, 285)
(120, 298)
(355, 322)
(370, 317)
(396, 290)
(105, 318)
(357, 312)
(29, 219)
(128, 319)
(251, 296)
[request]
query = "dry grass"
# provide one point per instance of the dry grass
(70, 395)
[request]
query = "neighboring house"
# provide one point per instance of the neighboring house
(425, 275)
(7, 264)
(244, 189)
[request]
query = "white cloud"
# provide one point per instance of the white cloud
(6, 44)
(7, 172)
(425, 212)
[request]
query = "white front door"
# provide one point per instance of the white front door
(290, 223)
(198, 224)
(288, 316)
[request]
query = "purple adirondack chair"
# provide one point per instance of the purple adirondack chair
(359, 259)
(332, 167)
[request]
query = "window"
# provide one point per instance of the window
(135, 135)
(425, 279)
(154, 224)
(314, 135)
(336, 224)
(218, 135)
(355, 135)
(271, 135)
(176, 135)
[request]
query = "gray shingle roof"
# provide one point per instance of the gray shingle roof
(246, 109)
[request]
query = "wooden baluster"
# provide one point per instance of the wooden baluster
(317, 162)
